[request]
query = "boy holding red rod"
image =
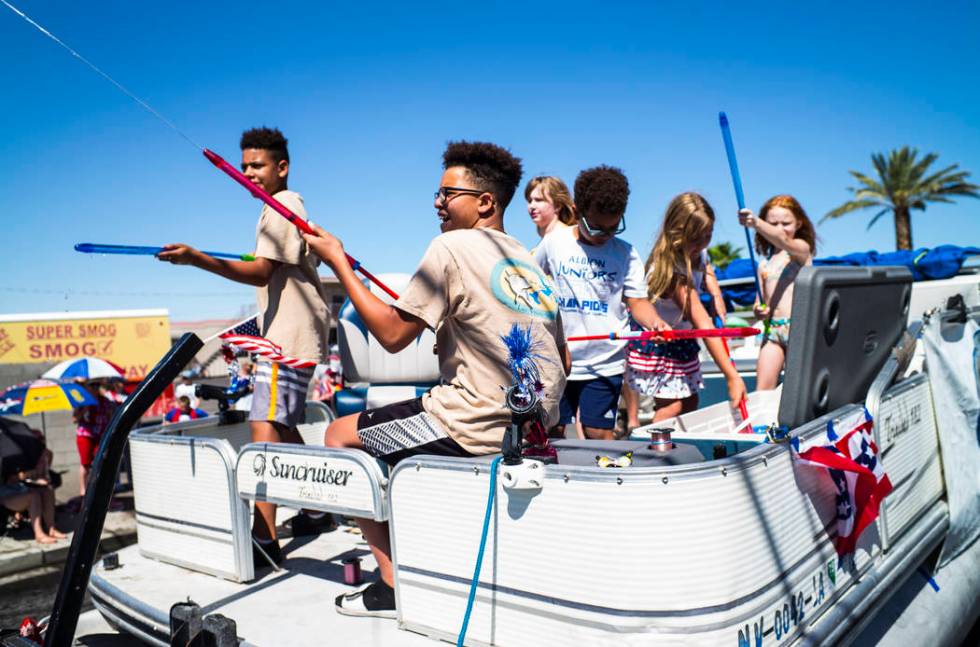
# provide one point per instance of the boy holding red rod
(293, 314)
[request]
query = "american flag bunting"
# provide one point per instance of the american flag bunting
(246, 336)
(851, 459)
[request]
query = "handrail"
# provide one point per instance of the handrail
(85, 543)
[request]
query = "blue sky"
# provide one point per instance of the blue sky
(368, 94)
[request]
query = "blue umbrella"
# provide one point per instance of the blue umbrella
(44, 395)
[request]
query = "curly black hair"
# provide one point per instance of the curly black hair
(601, 189)
(269, 139)
(491, 167)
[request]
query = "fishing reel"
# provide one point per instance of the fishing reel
(524, 408)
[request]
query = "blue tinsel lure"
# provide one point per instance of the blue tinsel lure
(520, 359)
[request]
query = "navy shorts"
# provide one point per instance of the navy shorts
(596, 401)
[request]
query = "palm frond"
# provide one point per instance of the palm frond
(877, 216)
(869, 183)
(941, 176)
(919, 168)
(848, 207)
(965, 189)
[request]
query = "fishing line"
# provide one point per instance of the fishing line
(214, 158)
(108, 78)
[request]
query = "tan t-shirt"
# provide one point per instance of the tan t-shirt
(476, 283)
(293, 311)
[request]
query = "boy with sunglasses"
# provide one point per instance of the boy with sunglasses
(474, 283)
(600, 282)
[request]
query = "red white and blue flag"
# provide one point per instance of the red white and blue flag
(849, 454)
(246, 336)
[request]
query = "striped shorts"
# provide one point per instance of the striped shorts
(669, 371)
(280, 394)
(402, 429)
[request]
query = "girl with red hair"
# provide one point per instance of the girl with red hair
(786, 241)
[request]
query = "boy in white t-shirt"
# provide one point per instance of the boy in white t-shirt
(600, 281)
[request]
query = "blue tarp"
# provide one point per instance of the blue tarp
(937, 263)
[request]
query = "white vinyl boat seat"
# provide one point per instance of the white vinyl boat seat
(377, 377)
(345, 481)
(187, 510)
(587, 453)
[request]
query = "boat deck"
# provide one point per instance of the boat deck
(312, 570)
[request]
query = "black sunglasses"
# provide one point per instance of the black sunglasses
(618, 229)
(443, 194)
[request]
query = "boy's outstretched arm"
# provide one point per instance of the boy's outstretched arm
(393, 328)
(255, 272)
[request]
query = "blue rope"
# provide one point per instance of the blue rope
(479, 556)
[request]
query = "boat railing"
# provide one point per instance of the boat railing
(85, 542)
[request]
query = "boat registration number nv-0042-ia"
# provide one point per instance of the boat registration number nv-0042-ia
(780, 620)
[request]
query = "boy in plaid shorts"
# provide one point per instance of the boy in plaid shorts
(293, 313)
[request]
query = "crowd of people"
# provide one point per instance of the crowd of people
(28, 482)
(474, 284)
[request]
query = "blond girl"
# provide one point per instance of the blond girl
(671, 372)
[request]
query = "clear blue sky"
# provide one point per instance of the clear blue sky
(368, 94)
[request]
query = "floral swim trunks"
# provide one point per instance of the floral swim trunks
(777, 331)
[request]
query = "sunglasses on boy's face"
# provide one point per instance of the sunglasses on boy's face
(447, 193)
(602, 233)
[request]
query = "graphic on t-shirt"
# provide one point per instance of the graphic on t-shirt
(523, 288)
(586, 268)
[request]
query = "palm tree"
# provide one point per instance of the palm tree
(723, 253)
(903, 185)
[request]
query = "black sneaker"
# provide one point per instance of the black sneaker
(376, 600)
(271, 549)
(303, 525)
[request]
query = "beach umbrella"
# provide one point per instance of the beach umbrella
(44, 395)
(85, 368)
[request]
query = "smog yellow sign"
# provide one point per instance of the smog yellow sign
(133, 339)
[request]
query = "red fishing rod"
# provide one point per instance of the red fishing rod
(299, 223)
(743, 408)
(673, 335)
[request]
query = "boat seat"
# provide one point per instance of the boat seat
(377, 377)
(372, 396)
(345, 481)
(585, 453)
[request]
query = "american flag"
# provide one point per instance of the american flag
(247, 337)
(851, 459)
